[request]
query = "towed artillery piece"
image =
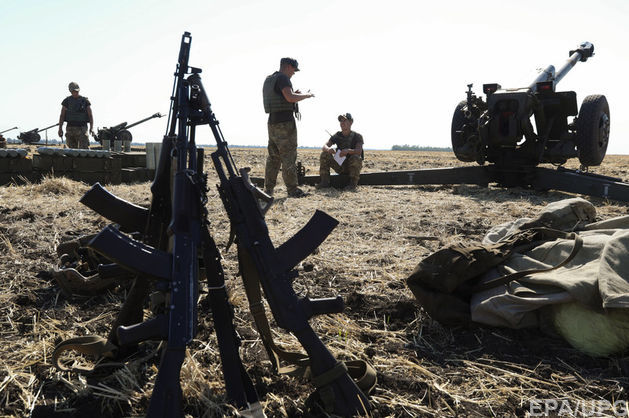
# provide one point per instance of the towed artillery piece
(499, 130)
(119, 132)
(32, 136)
(3, 141)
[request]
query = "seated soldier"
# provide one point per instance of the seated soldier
(349, 149)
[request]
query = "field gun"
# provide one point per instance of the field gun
(499, 129)
(120, 132)
(3, 141)
(32, 136)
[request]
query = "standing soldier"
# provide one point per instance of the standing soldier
(280, 102)
(76, 111)
(348, 156)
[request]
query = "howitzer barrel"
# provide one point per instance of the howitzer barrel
(582, 53)
(7, 130)
(48, 127)
(155, 115)
(547, 74)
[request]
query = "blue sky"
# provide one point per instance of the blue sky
(400, 67)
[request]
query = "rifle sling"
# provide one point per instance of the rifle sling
(360, 371)
(97, 347)
(238, 384)
(508, 278)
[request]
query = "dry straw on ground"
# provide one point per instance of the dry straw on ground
(423, 368)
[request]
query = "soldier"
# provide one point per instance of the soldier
(280, 102)
(76, 110)
(349, 149)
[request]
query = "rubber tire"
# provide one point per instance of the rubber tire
(458, 120)
(124, 135)
(593, 130)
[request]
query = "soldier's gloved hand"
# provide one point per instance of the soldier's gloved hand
(60, 133)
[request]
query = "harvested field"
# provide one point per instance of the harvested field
(423, 368)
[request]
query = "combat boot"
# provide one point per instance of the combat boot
(324, 182)
(353, 184)
(297, 192)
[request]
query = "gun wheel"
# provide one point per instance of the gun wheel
(593, 130)
(465, 149)
(124, 135)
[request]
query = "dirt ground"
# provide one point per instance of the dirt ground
(424, 369)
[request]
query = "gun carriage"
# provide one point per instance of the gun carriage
(32, 136)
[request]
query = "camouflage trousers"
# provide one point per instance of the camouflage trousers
(282, 150)
(76, 137)
(351, 166)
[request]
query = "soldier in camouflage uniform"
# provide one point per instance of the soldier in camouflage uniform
(77, 112)
(349, 144)
(280, 102)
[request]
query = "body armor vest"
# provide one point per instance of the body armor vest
(77, 110)
(274, 101)
(344, 142)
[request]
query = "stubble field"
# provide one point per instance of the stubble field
(423, 368)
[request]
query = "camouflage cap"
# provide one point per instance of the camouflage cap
(73, 86)
(291, 61)
(346, 116)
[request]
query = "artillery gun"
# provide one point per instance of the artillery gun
(120, 132)
(3, 141)
(499, 130)
(32, 136)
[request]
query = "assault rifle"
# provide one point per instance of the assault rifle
(182, 220)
